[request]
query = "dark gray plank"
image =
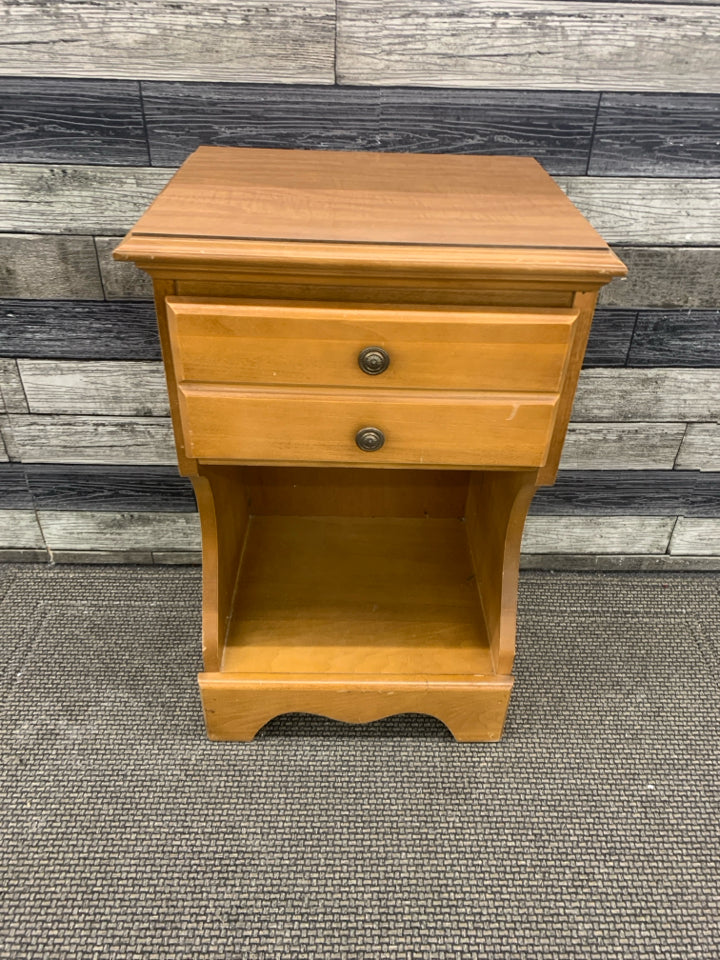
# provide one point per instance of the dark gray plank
(559, 44)
(661, 135)
(554, 127)
(61, 268)
(610, 337)
(634, 493)
(666, 277)
(14, 492)
(245, 40)
(79, 121)
(78, 330)
(688, 338)
(109, 488)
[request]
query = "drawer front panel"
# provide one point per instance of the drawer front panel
(316, 426)
(319, 345)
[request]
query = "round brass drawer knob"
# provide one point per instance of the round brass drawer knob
(370, 439)
(373, 360)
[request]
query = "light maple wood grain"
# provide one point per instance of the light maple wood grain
(319, 344)
(293, 425)
(357, 601)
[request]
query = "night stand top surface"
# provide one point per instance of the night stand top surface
(224, 195)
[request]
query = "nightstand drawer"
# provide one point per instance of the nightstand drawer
(348, 426)
(283, 343)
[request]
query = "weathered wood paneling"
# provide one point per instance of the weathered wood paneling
(635, 493)
(696, 537)
(660, 563)
(14, 490)
(621, 446)
(56, 267)
(148, 440)
(78, 330)
(8, 448)
(664, 338)
(64, 268)
(117, 489)
(657, 135)
(108, 440)
(76, 198)
(95, 199)
(700, 448)
(12, 395)
(534, 43)
(65, 530)
(241, 40)
(597, 534)
(127, 330)
(653, 394)
(644, 210)
(74, 121)
(666, 277)
(19, 529)
(120, 280)
(610, 337)
(137, 388)
(553, 126)
(95, 386)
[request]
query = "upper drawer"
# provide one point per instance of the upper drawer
(316, 344)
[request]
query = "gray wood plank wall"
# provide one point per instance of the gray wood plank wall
(619, 101)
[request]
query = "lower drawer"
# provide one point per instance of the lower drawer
(314, 426)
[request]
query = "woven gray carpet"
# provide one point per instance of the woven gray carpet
(591, 830)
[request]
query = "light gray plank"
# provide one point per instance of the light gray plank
(137, 388)
(45, 267)
(621, 446)
(19, 529)
(12, 395)
(128, 389)
(39, 198)
(95, 199)
(64, 530)
(700, 449)
(241, 40)
(534, 43)
(596, 534)
(699, 536)
(588, 561)
(666, 393)
(109, 440)
(646, 210)
(121, 280)
(9, 448)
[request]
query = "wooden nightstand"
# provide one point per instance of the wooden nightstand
(371, 362)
